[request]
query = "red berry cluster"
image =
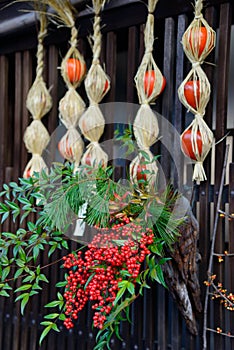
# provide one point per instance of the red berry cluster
(94, 275)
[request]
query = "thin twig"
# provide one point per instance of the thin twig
(222, 254)
(221, 333)
(222, 295)
(213, 244)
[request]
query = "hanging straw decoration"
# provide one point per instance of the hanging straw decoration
(149, 83)
(97, 84)
(194, 92)
(38, 102)
(73, 71)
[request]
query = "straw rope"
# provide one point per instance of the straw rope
(71, 106)
(198, 41)
(97, 84)
(38, 102)
(145, 126)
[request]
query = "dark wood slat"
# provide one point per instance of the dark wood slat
(25, 121)
(177, 167)
(169, 52)
(167, 98)
(179, 110)
(53, 73)
(137, 322)
(221, 113)
(17, 113)
(148, 319)
(111, 52)
(132, 61)
(141, 43)
(231, 243)
(3, 114)
(211, 17)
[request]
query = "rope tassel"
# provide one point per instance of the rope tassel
(194, 92)
(39, 102)
(150, 84)
(71, 106)
(97, 84)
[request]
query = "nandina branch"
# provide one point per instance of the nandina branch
(221, 294)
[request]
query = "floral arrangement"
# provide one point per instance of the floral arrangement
(112, 269)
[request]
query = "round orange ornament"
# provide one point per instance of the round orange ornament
(192, 93)
(75, 69)
(149, 81)
(186, 144)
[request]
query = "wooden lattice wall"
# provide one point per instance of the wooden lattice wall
(156, 321)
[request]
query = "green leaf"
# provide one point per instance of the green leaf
(21, 296)
(51, 316)
(31, 226)
(29, 279)
(13, 205)
(120, 294)
(131, 288)
(43, 278)
(9, 235)
(36, 251)
(61, 284)
(145, 155)
(20, 263)
(65, 245)
(52, 249)
(62, 317)
(88, 280)
(154, 248)
(24, 303)
(5, 272)
(5, 216)
(24, 287)
(3, 293)
(44, 333)
(24, 215)
(4, 260)
(55, 328)
(60, 297)
(160, 277)
(53, 303)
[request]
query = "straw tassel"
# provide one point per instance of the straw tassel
(38, 102)
(97, 84)
(145, 126)
(194, 92)
(71, 106)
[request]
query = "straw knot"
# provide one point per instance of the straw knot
(196, 64)
(95, 60)
(199, 16)
(93, 144)
(199, 116)
(144, 148)
(70, 127)
(36, 155)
